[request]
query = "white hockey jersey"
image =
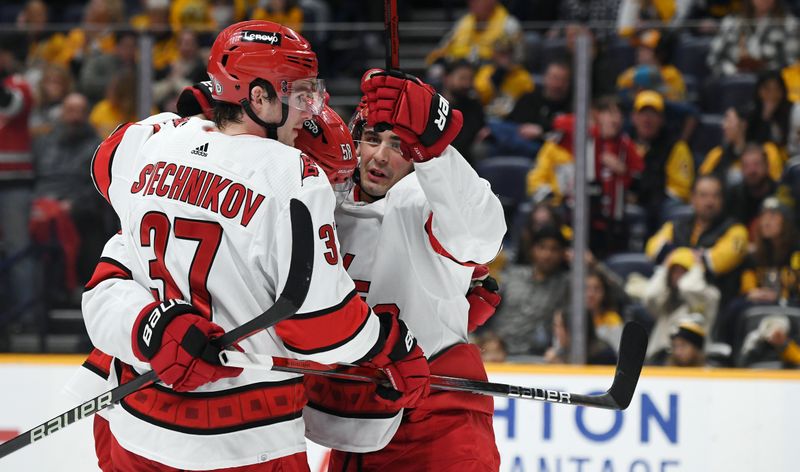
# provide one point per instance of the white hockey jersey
(413, 252)
(205, 218)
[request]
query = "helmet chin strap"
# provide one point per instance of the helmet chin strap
(270, 128)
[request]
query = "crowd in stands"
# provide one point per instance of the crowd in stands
(693, 162)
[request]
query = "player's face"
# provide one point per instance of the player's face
(288, 132)
(382, 162)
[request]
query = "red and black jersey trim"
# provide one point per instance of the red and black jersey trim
(437, 246)
(353, 414)
(328, 347)
(103, 158)
(220, 412)
(99, 363)
(325, 330)
(108, 268)
(323, 312)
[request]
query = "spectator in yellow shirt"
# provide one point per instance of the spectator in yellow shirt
(194, 15)
(654, 50)
(668, 162)
(285, 12)
(721, 242)
(602, 309)
(156, 19)
(791, 77)
(474, 35)
(118, 107)
(94, 34)
(725, 159)
(503, 81)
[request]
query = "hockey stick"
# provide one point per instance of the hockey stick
(287, 304)
(631, 358)
(391, 35)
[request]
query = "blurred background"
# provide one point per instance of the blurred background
(644, 150)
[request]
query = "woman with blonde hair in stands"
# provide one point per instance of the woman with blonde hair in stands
(118, 107)
(55, 84)
(602, 308)
(772, 271)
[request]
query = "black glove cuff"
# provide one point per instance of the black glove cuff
(404, 343)
(438, 119)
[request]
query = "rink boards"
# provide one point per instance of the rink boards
(680, 420)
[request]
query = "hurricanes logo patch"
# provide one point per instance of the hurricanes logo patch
(261, 37)
(309, 168)
(201, 151)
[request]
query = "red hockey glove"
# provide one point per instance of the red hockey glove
(404, 362)
(176, 342)
(422, 118)
(482, 297)
(196, 100)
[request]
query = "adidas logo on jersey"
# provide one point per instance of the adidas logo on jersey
(201, 151)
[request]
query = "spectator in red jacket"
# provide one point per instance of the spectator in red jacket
(617, 164)
(16, 178)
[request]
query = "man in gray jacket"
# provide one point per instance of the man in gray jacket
(61, 159)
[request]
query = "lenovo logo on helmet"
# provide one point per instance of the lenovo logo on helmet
(261, 37)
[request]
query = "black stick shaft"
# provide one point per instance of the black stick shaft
(392, 37)
(633, 346)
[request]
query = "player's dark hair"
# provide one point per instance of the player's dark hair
(225, 112)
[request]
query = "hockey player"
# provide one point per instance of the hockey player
(205, 244)
(411, 231)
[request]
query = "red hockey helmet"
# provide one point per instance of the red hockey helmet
(257, 49)
(359, 119)
(326, 139)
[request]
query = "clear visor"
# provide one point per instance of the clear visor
(306, 95)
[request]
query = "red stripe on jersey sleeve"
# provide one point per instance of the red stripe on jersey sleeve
(107, 269)
(99, 362)
(102, 159)
(437, 246)
(310, 333)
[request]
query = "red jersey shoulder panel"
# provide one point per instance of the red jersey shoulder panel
(103, 159)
